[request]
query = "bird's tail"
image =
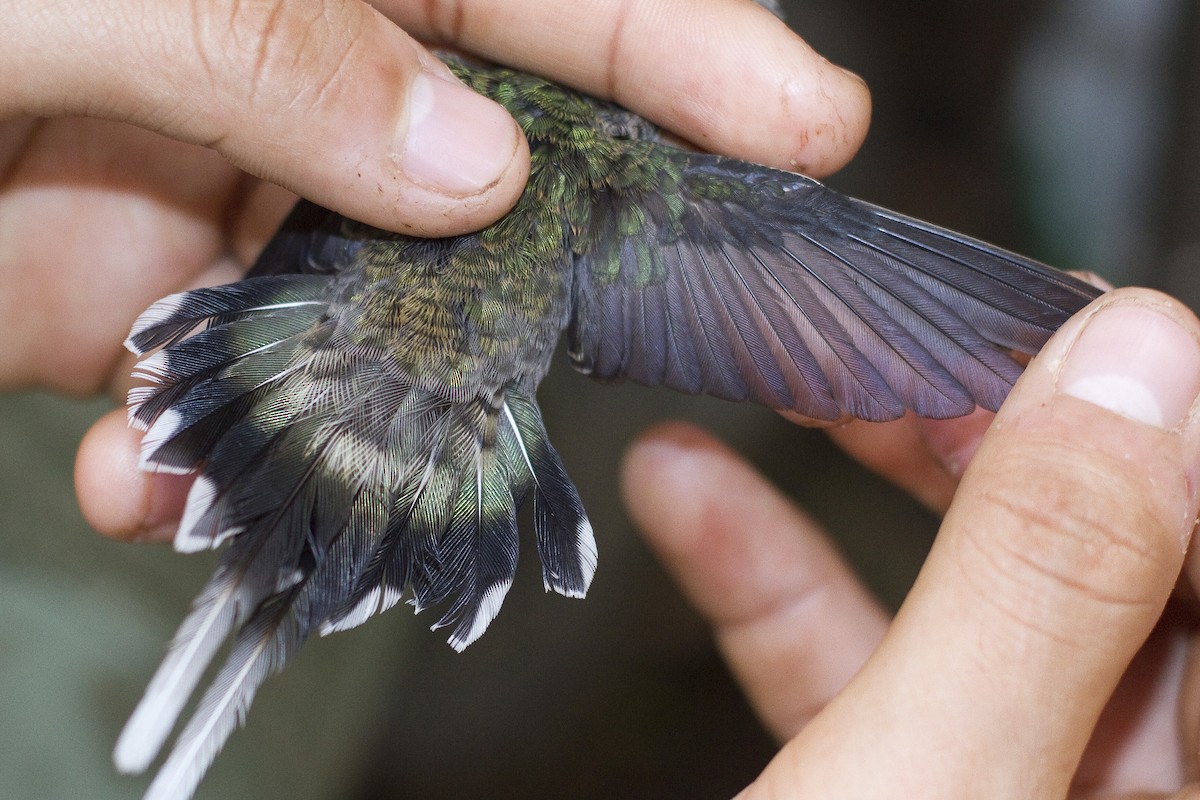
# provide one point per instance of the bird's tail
(341, 484)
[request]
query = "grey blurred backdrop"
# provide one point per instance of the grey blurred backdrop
(1069, 129)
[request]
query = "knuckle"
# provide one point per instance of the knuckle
(281, 53)
(444, 19)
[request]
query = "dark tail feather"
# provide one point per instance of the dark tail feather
(564, 536)
(453, 529)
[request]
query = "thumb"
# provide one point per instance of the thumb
(325, 97)
(1053, 565)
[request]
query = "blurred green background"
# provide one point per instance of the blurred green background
(1065, 129)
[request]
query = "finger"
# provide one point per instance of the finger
(325, 97)
(98, 220)
(116, 497)
(792, 620)
(924, 457)
(266, 206)
(725, 74)
(1053, 565)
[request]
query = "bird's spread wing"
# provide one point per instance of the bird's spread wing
(754, 284)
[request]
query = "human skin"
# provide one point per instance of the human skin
(144, 147)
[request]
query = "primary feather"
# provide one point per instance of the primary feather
(360, 410)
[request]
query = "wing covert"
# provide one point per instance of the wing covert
(310, 240)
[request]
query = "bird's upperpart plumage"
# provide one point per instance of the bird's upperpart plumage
(360, 409)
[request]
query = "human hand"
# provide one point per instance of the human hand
(101, 218)
(1032, 657)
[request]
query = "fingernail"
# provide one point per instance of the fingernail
(1135, 361)
(456, 142)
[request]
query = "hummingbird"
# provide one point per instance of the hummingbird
(360, 411)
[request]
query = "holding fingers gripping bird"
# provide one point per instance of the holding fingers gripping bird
(360, 410)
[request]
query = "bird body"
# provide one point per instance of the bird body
(360, 410)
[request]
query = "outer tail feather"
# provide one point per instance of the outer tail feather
(566, 546)
(172, 318)
(251, 572)
(193, 648)
(261, 649)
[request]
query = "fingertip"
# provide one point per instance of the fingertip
(917, 455)
(106, 475)
(1091, 467)
(808, 114)
(1059, 551)
(730, 537)
(835, 103)
(729, 77)
(790, 617)
(656, 471)
(659, 442)
(400, 143)
(1137, 353)
(671, 477)
(953, 442)
(464, 149)
(838, 104)
(117, 498)
(452, 161)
